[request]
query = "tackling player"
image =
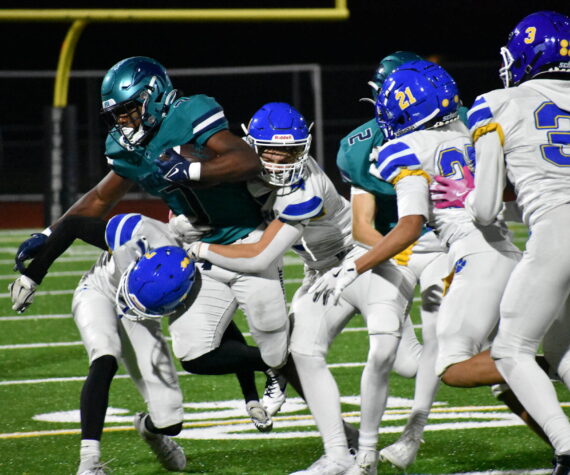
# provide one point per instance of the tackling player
(312, 218)
(119, 322)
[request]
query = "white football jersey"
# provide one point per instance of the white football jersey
(533, 123)
(324, 214)
(442, 151)
(128, 236)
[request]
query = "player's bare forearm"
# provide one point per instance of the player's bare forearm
(101, 199)
(363, 213)
(406, 232)
(235, 160)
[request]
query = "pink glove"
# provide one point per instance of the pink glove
(449, 193)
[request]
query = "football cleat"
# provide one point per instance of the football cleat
(170, 455)
(91, 466)
(261, 420)
(402, 453)
(366, 463)
(327, 466)
(274, 395)
(561, 465)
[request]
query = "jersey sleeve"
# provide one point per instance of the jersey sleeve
(304, 203)
(481, 120)
(394, 161)
(205, 116)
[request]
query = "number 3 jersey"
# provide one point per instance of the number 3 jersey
(410, 163)
(324, 214)
(533, 125)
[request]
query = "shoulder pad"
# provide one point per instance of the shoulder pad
(391, 159)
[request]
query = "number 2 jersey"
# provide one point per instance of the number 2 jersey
(324, 214)
(410, 163)
(533, 125)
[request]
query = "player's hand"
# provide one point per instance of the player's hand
(28, 250)
(22, 292)
(449, 193)
(185, 231)
(330, 285)
(174, 167)
(193, 250)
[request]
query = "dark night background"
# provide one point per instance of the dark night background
(465, 35)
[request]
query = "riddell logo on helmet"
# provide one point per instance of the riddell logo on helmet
(282, 137)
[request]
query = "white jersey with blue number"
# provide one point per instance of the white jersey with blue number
(128, 237)
(533, 123)
(422, 155)
(324, 214)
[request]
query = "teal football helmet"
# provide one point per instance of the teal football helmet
(386, 66)
(136, 93)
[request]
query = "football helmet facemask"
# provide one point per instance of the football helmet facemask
(156, 284)
(281, 138)
(418, 95)
(135, 94)
(539, 44)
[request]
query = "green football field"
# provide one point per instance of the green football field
(43, 364)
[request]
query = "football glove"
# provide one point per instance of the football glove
(28, 250)
(185, 231)
(175, 168)
(449, 193)
(22, 292)
(330, 285)
(193, 250)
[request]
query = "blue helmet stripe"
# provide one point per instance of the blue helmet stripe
(305, 210)
(120, 229)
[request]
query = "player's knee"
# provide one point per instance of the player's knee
(106, 364)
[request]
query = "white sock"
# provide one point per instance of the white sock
(90, 448)
(537, 395)
(374, 388)
(323, 398)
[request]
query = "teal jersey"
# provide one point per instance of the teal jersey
(353, 161)
(227, 207)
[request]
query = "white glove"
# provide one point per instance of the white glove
(331, 284)
(185, 231)
(22, 292)
(195, 249)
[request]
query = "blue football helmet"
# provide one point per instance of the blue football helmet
(539, 44)
(156, 284)
(135, 93)
(418, 95)
(387, 66)
(280, 129)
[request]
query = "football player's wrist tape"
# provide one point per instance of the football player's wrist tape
(22, 292)
(47, 232)
(194, 171)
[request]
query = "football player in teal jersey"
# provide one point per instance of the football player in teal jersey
(146, 123)
(375, 213)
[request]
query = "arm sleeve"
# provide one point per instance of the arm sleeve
(412, 192)
(485, 202)
(90, 230)
(286, 236)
